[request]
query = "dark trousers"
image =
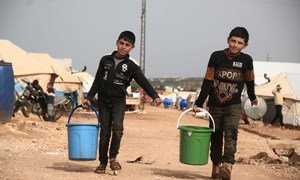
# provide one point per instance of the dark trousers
(278, 115)
(111, 120)
(226, 128)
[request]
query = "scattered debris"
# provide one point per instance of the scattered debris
(284, 152)
(289, 157)
(261, 155)
(140, 160)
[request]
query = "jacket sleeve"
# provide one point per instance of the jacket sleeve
(250, 90)
(95, 87)
(249, 80)
(205, 89)
(140, 78)
(207, 82)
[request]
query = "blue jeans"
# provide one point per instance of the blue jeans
(226, 128)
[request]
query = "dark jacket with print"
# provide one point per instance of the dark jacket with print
(225, 78)
(111, 82)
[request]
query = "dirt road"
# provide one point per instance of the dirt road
(34, 149)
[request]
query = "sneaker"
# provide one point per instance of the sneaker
(114, 164)
(215, 171)
(101, 169)
(225, 171)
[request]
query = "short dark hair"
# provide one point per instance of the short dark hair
(278, 86)
(35, 81)
(240, 32)
(127, 36)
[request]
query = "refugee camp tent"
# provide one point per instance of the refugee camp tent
(65, 81)
(290, 83)
(86, 79)
(271, 69)
(66, 63)
(24, 66)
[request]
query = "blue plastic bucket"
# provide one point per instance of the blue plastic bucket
(7, 90)
(183, 103)
(167, 102)
(83, 139)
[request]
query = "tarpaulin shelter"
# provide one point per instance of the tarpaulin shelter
(86, 79)
(65, 81)
(24, 65)
(290, 83)
(272, 69)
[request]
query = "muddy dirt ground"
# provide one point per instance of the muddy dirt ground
(34, 149)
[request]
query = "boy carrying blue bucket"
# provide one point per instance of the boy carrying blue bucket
(114, 74)
(227, 72)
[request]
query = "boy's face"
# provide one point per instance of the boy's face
(123, 48)
(236, 44)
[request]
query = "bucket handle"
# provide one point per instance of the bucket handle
(191, 109)
(80, 106)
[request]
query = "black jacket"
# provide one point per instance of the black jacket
(224, 80)
(111, 83)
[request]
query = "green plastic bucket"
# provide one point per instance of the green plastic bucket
(194, 142)
(83, 139)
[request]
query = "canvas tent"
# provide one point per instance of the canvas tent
(66, 63)
(65, 81)
(272, 69)
(24, 66)
(86, 79)
(291, 93)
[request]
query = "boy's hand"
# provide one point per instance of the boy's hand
(85, 103)
(196, 108)
(157, 101)
(254, 102)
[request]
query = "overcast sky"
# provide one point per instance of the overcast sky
(180, 34)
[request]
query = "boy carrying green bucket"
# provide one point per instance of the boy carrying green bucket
(227, 72)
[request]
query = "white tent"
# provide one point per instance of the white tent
(291, 93)
(86, 79)
(272, 69)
